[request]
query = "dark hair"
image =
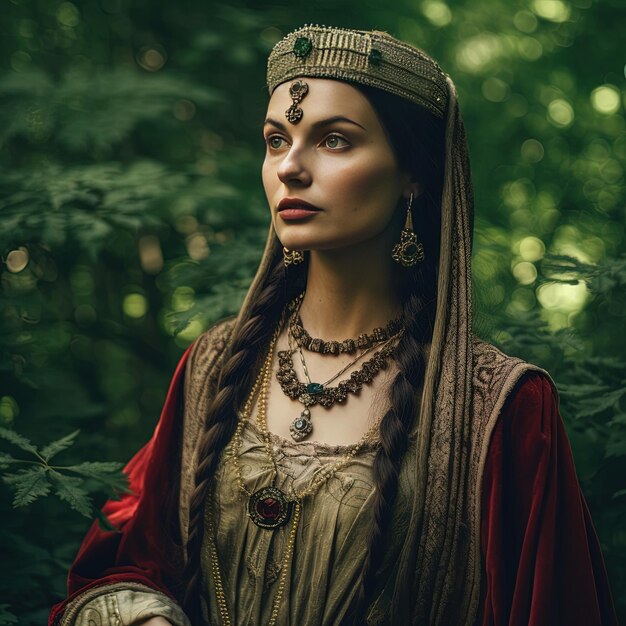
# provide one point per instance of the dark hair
(417, 138)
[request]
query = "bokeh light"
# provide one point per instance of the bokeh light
(532, 151)
(135, 305)
(563, 297)
(606, 99)
(183, 298)
(197, 247)
(478, 52)
(193, 329)
(530, 48)
(531, 249)
(17, 260)
(494, 89)
(437, 13)
(553, 10)
(9, 409)
(560, 113)
(152, 58)
(525, 273)
(184, 110)
(150, 254)
(525, 21)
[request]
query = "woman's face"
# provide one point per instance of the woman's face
(336, 158)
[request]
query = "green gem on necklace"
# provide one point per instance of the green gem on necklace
(314, 388)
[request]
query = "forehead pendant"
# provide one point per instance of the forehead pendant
(297, 91)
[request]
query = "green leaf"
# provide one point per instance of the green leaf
(108, 473)
(618, 420)
(69, 489)
(599, 403)
(28, 484)
(57, 446)
(6, 617)
(582, 390)
(6, 460)
(616, 448)
(17, 440)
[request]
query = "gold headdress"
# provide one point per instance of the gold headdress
(371, 58)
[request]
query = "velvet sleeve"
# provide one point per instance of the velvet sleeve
(143, 550)
(542, 560)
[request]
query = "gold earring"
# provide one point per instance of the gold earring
(409, 251)
(292, 257)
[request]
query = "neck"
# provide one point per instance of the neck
(349, 292)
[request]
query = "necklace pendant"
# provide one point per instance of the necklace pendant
(269, 508)
(302, 426)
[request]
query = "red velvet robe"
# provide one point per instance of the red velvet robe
(542, 560)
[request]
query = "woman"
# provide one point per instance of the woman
(410, 474)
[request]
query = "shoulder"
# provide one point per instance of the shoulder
(486, 357)
(214, 339)
(534, 389)
(531, 409)
(523, 385)
(499, 379)
(524, 432)
(201, 377)
(210, 344)
(204, 355)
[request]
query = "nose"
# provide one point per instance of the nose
(293, 169)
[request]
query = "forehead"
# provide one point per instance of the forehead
(325, 97)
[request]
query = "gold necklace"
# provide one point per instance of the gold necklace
(270, 507)
(311, 393)
(302, 426)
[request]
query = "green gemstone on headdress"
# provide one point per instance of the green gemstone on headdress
(375, 56)
(302, 47)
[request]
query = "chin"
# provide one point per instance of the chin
(293, 240)
(296, 241)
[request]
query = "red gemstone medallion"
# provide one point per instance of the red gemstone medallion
(269, 507)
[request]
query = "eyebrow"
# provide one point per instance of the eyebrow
(319, 124)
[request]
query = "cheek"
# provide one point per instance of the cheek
(368, 183)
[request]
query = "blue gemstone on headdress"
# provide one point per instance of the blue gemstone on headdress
(302, 47)
(375, 56)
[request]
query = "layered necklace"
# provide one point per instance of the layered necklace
(270, 507)
(348, 346)
(310, 393)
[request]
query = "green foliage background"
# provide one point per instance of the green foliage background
(132, 216)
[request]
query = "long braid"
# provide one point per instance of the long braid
(235, 379)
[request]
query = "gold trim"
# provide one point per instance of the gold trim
(74, 607)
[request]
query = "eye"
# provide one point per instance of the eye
(334, 141)
(274, 142)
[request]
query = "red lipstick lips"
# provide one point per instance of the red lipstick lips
(296, 209)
